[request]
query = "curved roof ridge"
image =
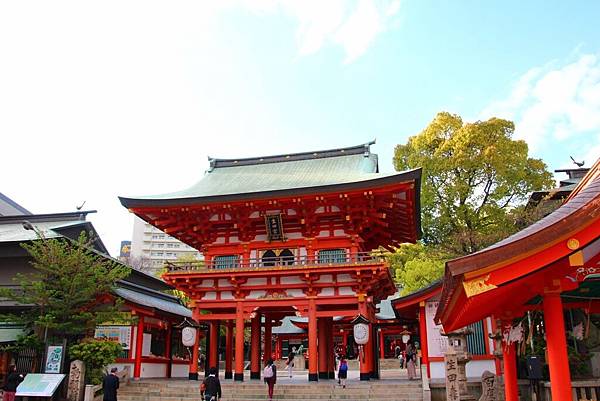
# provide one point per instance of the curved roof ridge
(309, 155)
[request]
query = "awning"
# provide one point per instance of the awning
(10, 334)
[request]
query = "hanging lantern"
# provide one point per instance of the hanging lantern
(188, 336)
(361, 330)
(405, 335)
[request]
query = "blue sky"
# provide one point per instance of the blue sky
(127, 98)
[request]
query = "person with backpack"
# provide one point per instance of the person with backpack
(210, 389)
(270, 375)
(343, 371)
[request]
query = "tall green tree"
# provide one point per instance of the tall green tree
(61, 295)
(475, 177)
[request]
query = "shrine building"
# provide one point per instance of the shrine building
(288, 236)
(551, 266)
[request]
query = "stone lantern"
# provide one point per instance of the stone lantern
(456, 357)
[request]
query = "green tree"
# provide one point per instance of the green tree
(416, 265)
(63, 291)
(475, 175)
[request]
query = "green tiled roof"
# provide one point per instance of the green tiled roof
(296, 172)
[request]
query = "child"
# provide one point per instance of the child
(343, 372)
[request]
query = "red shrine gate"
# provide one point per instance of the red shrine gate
(288, 235)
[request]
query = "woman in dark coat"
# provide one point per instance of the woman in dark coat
(12, 382)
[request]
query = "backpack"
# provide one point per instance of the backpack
(344, 367)
(268, 372)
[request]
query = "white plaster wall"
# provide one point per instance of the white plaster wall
(476, 368)
(437, 370)
(180, 370)
(154, 370)
(256, 294)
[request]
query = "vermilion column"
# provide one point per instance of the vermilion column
(381, 344)
(558, 361)
(366, 355)
(312, 341)
(139, 342)
(330, 345)
(239, 343)
(278, 348)
(322, 347)
(423, 338)
(229, 350)
(214, 345)
(511, 389)
(268, 353)
(255, 348)
(345, 342)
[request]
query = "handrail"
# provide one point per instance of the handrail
(281, 262)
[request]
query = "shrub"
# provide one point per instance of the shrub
(96, 354)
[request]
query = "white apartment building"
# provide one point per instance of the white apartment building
(154, 247)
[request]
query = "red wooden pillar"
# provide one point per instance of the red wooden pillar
(229, 350)
(193, 375)
(330, 349)
(322, 347)
(278, 348)
(381, 344)
(312, 341)
(268, 353)
(511, 389)
(168, 348)
(139, 343)
(423, 338)
(214, 345)
(558, 361)
(239, 343)
(255, 347)
(366, 356)
(345, 342)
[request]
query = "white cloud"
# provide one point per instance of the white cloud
(351, 25)
(556, 103)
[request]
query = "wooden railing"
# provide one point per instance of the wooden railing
(282, 262)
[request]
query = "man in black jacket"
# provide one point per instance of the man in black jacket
(110, 385)
(212, 386)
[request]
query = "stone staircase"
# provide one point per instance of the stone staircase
(171, 390)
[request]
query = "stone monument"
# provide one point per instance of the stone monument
(76, 386)
(456, 358)
(489, 387)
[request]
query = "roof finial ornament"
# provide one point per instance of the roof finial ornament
(578, 164)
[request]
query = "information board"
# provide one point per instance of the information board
(120, 334)
(54, 356)
(436, 343)
(39, 385)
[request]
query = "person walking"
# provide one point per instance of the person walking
(210, 389)
(411, 356)
(343, 371)
(110, 385)
(12, 382)
(270, 375)
(290, 363)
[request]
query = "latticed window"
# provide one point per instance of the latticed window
(226, 261)
(332, 256)
(476, 340)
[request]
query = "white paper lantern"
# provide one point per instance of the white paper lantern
(188, 336)
(361, 333)
(405, 338)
